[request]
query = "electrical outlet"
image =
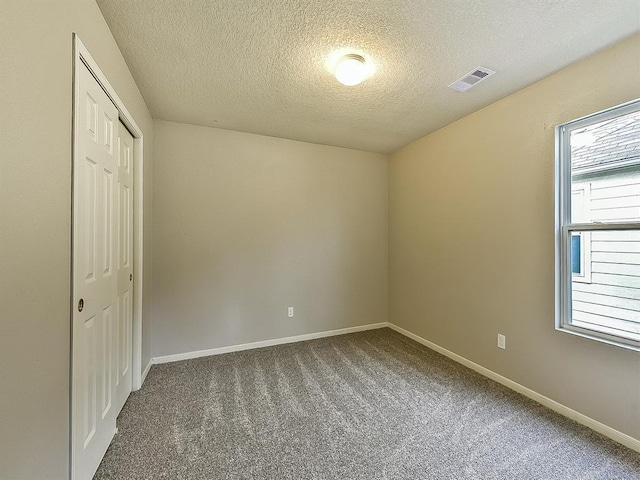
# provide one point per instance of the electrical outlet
(502, 342)
(290, 312)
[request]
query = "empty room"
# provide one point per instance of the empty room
(357, 239)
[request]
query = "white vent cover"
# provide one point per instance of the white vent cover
(471, 79)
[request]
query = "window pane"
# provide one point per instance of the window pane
(605, 171)
(610, 301)
(575, 254)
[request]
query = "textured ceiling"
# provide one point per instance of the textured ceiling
(259, 66)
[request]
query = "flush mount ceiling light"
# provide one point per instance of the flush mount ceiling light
(351, 69)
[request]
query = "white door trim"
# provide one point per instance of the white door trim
(81, 54)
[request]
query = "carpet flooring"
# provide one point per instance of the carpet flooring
(370, 405)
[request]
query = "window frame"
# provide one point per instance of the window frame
(564, 227)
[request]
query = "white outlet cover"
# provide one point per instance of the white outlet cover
(502, 342)
(290, 312)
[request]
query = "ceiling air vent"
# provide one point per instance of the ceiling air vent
(471, 79)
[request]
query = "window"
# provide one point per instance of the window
(598, 226)
(576, 254)
(580, 252)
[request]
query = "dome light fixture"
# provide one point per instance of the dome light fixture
(351, 69)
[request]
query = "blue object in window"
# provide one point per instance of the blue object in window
(575, 254)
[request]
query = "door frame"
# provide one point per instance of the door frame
(82, 55)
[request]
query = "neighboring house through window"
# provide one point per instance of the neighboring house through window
(580, 247)
(598, 227)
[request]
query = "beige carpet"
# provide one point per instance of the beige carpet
(371, 405)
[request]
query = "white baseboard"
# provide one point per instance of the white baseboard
(265, 343)
(145, 372)
(623, 438)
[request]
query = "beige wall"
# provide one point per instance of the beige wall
(472, 241)
(35, 222)
(247, 225)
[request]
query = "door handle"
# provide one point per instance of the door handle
(81, 304)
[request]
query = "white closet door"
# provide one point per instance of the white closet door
(95, 277)
(125, 266)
